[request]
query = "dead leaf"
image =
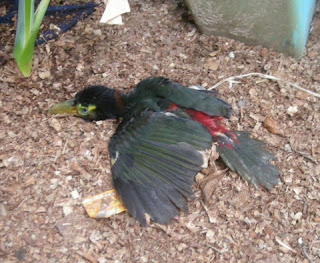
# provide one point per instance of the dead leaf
(208, 184)
(272, 126)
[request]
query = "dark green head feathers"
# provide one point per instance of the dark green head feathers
(92, 103)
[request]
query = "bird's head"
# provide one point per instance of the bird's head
(92, 103)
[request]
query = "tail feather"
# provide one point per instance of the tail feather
(241, 154)
(247, 157)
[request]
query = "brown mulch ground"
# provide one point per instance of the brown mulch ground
(49, 163)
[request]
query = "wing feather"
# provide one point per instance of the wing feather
(200, 100)
(155, 158)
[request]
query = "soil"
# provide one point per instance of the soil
(49, 163)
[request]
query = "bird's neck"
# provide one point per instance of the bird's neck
(119, 102)
(111, 105)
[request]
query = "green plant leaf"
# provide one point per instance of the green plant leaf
(28, 26)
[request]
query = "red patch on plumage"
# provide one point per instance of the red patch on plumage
(172, 107)
(214, 125)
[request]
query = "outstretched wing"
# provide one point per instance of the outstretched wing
(199, 100)
(154, 159)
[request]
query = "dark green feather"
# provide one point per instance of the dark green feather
(164, 89)
(153, 173)
(248, 158)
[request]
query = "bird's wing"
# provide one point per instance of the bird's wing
(154, 159)
(200, 100)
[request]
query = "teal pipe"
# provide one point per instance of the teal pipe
(301, 17)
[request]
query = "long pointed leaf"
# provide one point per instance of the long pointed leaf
(27, 30)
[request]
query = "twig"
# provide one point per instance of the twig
(221, 251)
(285, 245)
(315, 248)
(305, 155)
(211, 220)
(231, 81)
(65, 147)
(303, 248)
(63, 151)
(87, 256)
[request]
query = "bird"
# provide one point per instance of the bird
(159, 145)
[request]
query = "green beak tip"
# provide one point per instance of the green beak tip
(64, 107)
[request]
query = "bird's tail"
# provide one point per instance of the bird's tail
(243, 155)
(248, 158)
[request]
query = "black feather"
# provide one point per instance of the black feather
(154, 175)
(248, 158)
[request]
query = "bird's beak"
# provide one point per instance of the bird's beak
(65, 107)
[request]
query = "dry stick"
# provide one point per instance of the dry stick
(231, 79)
(211, 220)
(303, 247)
(284, 245)
(221, 251)
(305, 155)
(87, 256)
(65, 146)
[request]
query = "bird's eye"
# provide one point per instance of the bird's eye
(87, 110)
(83, 110)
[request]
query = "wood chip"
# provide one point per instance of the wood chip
(272, 126)
(54, 123)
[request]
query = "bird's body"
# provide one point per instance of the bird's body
(158, 146)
